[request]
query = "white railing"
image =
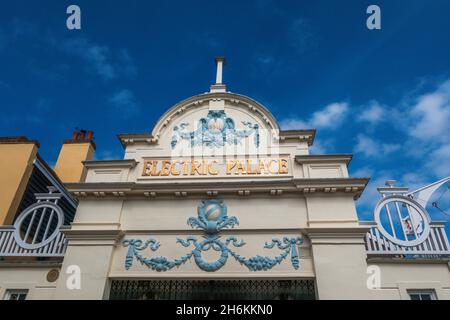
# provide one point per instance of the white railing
(10, 248)
(436, 244)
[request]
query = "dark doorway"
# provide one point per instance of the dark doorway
(212, 290)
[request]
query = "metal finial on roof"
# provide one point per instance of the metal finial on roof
(219, 86)
(390, 183)
(220, 61)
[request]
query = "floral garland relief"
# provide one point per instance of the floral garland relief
(212, 218)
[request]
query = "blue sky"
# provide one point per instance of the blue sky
(383, 95)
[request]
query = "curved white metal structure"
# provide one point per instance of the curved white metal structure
(403, 227)
(414, 222)
(38, 230)
(423, 195)
(48, 215)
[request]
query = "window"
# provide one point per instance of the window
(16, 294)
(422, 295)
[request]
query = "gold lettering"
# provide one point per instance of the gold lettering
(257, 169)
(211, 171)
(230, 165)
(172, 169)
(155, 171)
(205, 167)
(283, 166)
(240, 167)
(271, 170)
(185, 168)
(165, 165)
(249, 167)
(211, 167)
(146, 171)
(263, 166)
(196, 167)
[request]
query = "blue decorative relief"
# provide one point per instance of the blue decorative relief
(212, 218)
(215, 130)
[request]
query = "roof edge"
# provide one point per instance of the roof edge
(18, 140)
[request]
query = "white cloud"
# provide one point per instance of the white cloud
(372, 113)
(430, 116)
(439, 161)
(318, 147)
(100, 59)
(372, 148)
(124, 102)
(387, 148)
(329, 117)
(292, 124)
(366, 145)
(371, 196)
(425, 127)
(364, 172)
(413, 180)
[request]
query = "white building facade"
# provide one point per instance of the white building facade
(219, 202)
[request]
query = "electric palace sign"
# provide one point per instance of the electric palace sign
(215, 167)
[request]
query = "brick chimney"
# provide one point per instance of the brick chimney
(69, 166)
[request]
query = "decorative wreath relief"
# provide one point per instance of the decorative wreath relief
(212, 218)
(216, 130)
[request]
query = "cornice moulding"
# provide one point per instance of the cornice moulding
(353, 186)
(93, 235)
(393, 260)
(336, 235)
(302, 135)
(346, 158)
(237, 230)
(298, 274)
(131, 138)
(110, 163)
(57, 263)
(95, 225)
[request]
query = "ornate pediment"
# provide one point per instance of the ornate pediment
(215, 131)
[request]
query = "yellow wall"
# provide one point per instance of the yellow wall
(69, 166)
(16, 163)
